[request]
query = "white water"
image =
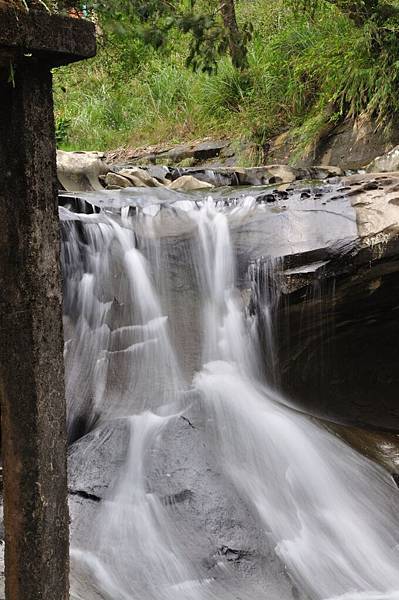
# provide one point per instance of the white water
(330, 514)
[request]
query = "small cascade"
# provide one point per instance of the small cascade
(216, 489)
(116, 334)
(264, 275)
(133, 552)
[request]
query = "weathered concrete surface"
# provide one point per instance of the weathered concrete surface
(31, 349)
(31, 366)
(53, 39)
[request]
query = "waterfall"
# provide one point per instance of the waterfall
(317, 519)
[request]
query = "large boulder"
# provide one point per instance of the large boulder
(335, 307)
(80, 171)
(385, 163)
(207, 519)
(139, 177)
(116, 181)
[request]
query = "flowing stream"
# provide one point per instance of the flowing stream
(200, 482)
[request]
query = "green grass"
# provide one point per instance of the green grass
(304, 74)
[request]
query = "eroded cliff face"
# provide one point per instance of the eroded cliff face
(336, 326)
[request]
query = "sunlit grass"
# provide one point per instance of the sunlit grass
(303, 74)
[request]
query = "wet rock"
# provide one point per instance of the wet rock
(177, 498)
(84, 495)
(217, 177)
(380, 446)
(335, 250)
(115, 181)
(232, 554)
(210, 524)
(188, 183)
(139, 177)
(80, 171)
(385, 163)
(271, 174)
(335, 315)
(159, 172)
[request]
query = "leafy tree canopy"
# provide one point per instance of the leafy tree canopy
(211, 26)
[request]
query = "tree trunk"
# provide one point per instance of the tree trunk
(237, 48)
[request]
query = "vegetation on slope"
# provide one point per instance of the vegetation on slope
(308, 65)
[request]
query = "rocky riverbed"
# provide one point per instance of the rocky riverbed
(336, 239)
(316, 269)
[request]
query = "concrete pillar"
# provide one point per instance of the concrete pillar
(31, 340)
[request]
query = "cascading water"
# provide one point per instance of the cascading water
(206, 461)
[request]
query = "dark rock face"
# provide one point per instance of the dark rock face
(353, 146)
(349, 145)
(336, 346)
(215, 527)
(337, 332)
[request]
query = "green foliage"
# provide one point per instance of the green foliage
(306, 71)
(61, 130)
(154, 21)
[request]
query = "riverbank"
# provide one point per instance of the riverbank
(349, 146)
(308, 76)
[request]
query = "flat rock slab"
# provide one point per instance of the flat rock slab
(209, 521)
(195, 151)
